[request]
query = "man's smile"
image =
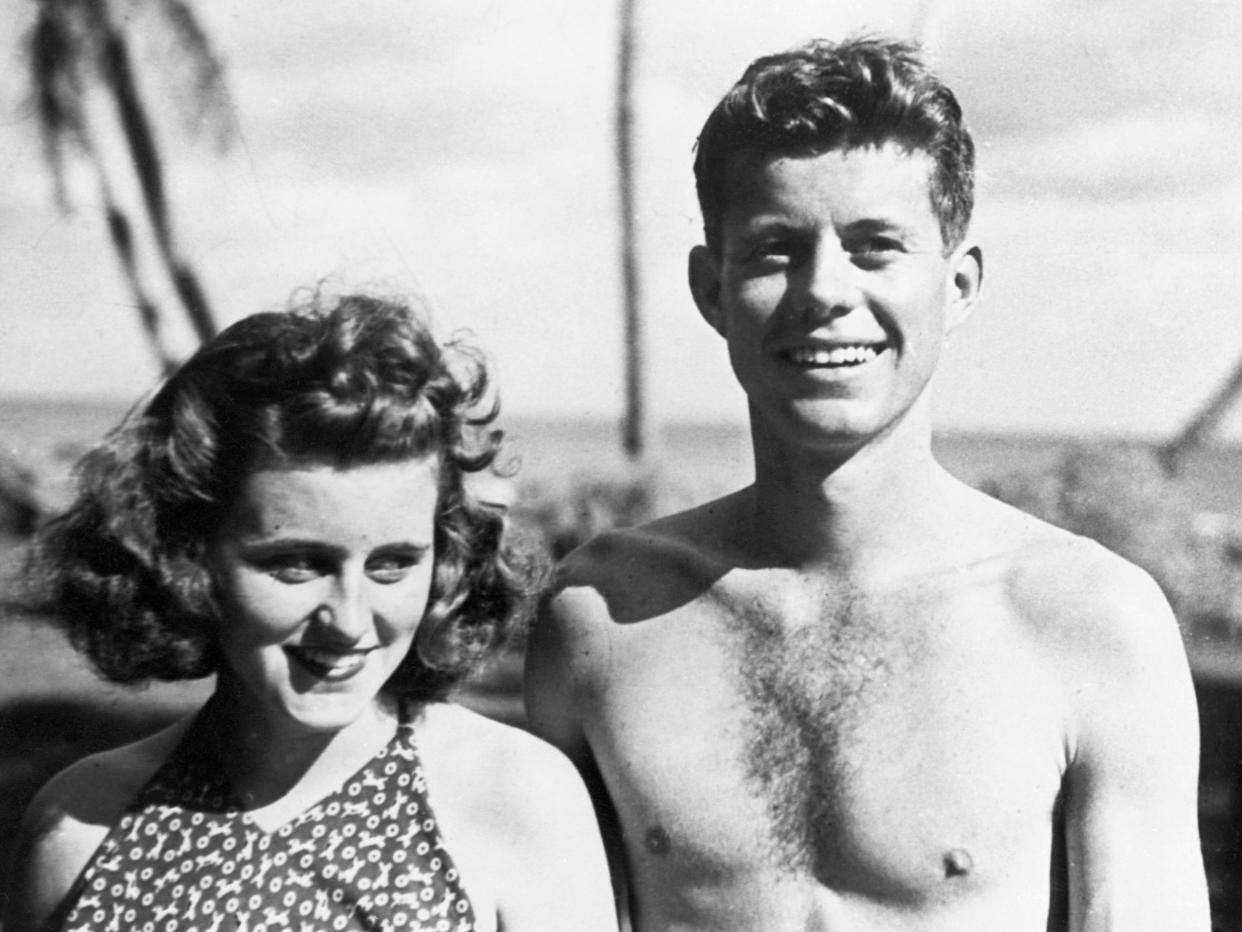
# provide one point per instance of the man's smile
(836, 356)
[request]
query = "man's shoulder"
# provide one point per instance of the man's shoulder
(633, 574)
(680, 542)
(1076, 575)
(1107, 635)
(1079, 598)
(634, 581)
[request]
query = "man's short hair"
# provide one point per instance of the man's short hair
(826, 95)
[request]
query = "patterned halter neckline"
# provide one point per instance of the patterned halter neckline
(185, 857)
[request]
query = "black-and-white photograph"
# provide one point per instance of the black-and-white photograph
(567, 465)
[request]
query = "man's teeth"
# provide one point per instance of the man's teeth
(836, 356)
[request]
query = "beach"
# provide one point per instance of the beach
(53, 709)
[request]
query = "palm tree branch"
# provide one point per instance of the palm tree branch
(56, 95)
(138, 135)
(209, 98)
(120, 232)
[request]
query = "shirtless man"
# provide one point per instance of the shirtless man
(857, 694)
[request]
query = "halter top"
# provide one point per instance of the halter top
(185, 857)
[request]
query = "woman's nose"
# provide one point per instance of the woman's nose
(346, 613)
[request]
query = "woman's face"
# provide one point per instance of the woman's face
(322, 576)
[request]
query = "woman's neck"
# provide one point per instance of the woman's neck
(267, 764)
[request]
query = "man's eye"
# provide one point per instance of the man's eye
(772, 254)
(875, 250)
(778, 249)
(876, 244)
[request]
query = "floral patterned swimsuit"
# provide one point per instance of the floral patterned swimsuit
(186, 858)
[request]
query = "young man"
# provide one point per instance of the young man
(859, 695)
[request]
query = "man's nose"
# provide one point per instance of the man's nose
(827, 283)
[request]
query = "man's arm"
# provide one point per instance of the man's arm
(1131, 817)
(567, 653)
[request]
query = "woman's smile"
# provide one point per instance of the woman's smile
(323, 576)
(327, 663)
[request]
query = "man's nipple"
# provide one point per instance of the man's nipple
(958, 863)
(657, 840)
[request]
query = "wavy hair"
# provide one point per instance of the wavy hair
(349, 381)
(825, 95)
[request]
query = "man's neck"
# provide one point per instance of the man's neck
(858, 512)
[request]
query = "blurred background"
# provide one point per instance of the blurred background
(474, 151)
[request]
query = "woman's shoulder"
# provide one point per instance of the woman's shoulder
(502, 767)
(517, 819)
(98, 787)
(71, 816)
(470, 738)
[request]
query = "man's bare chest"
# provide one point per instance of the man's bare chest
(867, 761)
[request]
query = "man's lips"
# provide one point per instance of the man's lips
(328, 663)
(835, 356)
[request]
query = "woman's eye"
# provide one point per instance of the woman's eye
(292, 570)
(390, 568)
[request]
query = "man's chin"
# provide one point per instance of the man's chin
(832, 425)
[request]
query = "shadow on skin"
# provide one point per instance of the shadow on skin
(621, 566)
(791, 754)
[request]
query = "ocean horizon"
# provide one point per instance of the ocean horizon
(44, 437)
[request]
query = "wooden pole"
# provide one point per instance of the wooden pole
(634, 425)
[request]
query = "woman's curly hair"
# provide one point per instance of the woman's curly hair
(349, 381)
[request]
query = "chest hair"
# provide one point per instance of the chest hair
(809, 674)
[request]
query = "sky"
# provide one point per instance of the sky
(463, 150)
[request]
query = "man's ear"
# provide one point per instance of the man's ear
(704, 274)
(966, 267)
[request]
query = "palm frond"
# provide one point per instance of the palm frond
(119, 74)
(198, 78)
(120, 232)
(81, 51)
(56, 88)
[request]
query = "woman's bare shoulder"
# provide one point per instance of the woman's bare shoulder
(97, 788)
(70, 817)
(467, 738)
(517, 817)
(504, 769)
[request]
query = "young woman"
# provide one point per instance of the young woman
(289, 513)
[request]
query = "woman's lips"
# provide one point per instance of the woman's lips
(326, 663)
